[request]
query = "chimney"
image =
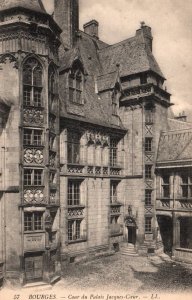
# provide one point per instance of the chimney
(66, 15)
(92, 28)
(145, 32)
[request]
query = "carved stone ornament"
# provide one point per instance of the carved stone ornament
(33, 156)
(130, 221)
(33, 116)
(33, 196)
(97, 138)
(8, 57)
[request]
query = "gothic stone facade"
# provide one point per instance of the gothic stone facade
(83, 126)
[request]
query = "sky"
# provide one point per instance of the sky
(171, 23)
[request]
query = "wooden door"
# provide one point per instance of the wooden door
(34, 268)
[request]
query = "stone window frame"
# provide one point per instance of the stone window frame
(165, 186)
(149, 113)
(74, 229)
(148, 197)
(32, 83)
(31, 177)
(148, 144)
(148, 171)
(33, 221)
(186, 185)
(74, 192)
(148, 224)
(114, 191)
(76, 85)
(73, 147)
(32, 137)
(113, 152)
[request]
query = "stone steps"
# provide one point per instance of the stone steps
(128, 249)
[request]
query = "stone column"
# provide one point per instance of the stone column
(176, 231)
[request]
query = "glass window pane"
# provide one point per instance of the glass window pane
(78, 229)
(37, 138)
(27, 137)
(28, 177)
(27, 75)
(70, 230)
(27, 91)
(37, 177)
(37, 97)
(37, 77)
(38, 224)
(28, 222)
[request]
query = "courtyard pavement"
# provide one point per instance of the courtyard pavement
(116, 277)
(154, 274)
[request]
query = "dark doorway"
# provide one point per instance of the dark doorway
(186, 233)
(166, 231)
(131, 234)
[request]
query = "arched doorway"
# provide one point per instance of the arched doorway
(131, 229)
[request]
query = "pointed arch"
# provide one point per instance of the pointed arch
(32, 82)
(76, 82)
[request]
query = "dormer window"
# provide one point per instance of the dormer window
(76, 86)
(32, 83)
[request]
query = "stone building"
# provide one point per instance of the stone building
(86, 139)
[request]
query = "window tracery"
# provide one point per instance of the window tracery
(32, 83)
(76, 86)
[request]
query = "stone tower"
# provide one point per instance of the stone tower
(29, 138)
(66, 14)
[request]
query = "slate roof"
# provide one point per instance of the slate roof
(175, 146)
(103, 66)
(132, 55)
(174, 124)
(35, 5)
(94, 110)
(107, 81)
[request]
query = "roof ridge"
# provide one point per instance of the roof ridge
(118, 43)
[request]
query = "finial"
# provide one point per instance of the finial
(142, 24)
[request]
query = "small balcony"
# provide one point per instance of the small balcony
(184, 203)
(76, 212)
(115, 209)
(91, 170)
(145, 90)
(164, 203)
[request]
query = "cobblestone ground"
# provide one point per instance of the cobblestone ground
(120, 277)
(155, 274)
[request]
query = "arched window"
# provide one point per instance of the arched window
(76, 86)
(32, 83)
(51, 84)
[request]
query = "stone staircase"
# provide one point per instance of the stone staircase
(128, 249)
